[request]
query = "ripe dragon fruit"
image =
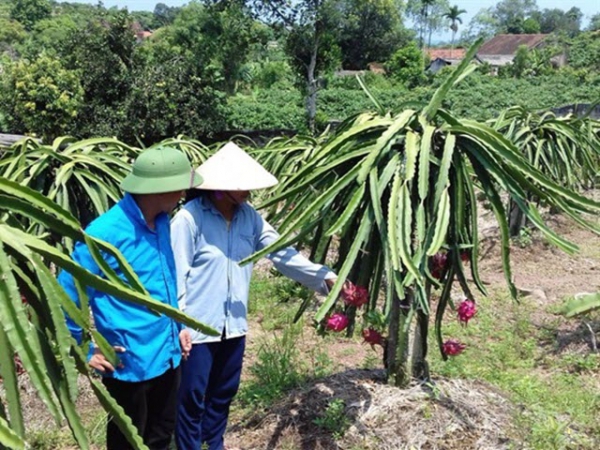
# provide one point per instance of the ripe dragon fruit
(466, 310)
(355, 295)
(439, 262)
(452, 347)
(372, 336)
(337, 322)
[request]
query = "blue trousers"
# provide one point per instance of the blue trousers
(210, 378)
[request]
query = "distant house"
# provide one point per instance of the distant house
(501, 49)
(443, 57)
(139, 32)
(141, 36)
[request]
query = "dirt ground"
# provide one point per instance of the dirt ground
(540, 267)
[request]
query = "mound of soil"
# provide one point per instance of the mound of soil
(445, 414)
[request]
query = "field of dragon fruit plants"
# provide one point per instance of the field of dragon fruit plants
(463, 240)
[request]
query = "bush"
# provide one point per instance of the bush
(41, 97)
(407, 66)
(266, 110)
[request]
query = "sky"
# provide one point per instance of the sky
(587, 7)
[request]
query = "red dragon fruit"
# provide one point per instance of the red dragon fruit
(372, 336)
(355, 295)
(439, 262)
(466, 310)
(337, 322)
(452, 347)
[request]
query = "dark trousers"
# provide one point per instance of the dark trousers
(152, 407)
(209, 380)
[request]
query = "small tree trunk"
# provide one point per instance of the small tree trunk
(429, 36)
(420, 367)
(311, 99)
(396, 352)
(517, 219)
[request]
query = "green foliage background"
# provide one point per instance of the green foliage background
(479, 97)
(210, 67)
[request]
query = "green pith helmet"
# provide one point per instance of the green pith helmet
(158, 170)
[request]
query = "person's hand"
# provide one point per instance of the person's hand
(347, 286)
(185, 339)
(330, 282)
(99, 362)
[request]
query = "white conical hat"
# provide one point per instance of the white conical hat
(232, 169)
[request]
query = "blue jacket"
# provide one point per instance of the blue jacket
(212, 286)
(151, 341)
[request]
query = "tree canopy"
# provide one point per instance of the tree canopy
(217, 60)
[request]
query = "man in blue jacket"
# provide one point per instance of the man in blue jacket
(150, 346)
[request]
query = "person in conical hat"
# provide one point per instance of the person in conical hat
(210, 235)
(150, 346)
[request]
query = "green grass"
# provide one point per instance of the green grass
(557, 403)
(281, 362)
(94, 421)
(274, 300)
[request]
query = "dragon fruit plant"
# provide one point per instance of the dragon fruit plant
(387, 192)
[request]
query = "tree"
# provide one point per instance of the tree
(312, 33)
(28, 12)
(44, 97)
(145, 19)
(508, 16)
(12, 33)
(511, 14)
(530, 26)
(370, 31)
(521, 62)
(218, 36)
(482, 25)
(424, 13)
(453, 15)
(104, 52)
(50, 35)
(407, 66)
(558, 21)
(170, 97)
(573, 21)
(164, 15)
(594, 24)
(584, 52)
(428, 16)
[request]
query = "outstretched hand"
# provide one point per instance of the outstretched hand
(185, 340)
(347, 286)
(99, 362)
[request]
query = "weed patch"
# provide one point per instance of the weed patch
(557, 409)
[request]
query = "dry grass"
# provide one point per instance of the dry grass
(449, 414)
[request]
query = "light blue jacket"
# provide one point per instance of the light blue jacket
(212, 286)
(151, 341)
